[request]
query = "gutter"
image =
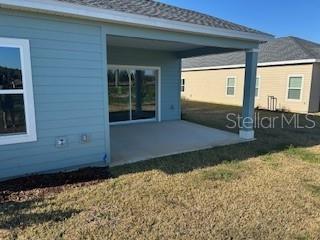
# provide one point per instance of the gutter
(264, 64)
(106, 15)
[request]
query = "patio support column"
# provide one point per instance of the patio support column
(247, 120)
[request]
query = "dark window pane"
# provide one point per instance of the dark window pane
(12, 116)
(10, 68)
(294, 94)
(230, 91)
(143, 92)
(119, 96)
(182, 85)
(231, 82)
(295, 82)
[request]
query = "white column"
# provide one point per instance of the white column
(247, 120)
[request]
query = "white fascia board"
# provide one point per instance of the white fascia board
(105, 15)
(279, 63)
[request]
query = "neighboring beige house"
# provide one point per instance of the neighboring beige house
(288, 76)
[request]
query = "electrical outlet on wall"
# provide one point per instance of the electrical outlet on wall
(84, 138)
(61, 142)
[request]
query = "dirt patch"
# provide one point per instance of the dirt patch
(39, 186)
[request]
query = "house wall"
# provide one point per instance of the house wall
(67, 72)
(314, 105)
(70, 91)
(210, 86)
(170, 74)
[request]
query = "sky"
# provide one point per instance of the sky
(299, 18)
(10, 58)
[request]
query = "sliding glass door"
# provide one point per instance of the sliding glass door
(133, 93)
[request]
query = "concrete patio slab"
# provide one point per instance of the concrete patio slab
(137, 142)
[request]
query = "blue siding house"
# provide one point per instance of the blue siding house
(71, 68)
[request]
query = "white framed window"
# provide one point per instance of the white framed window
(294, 90)
(231, 86)
(183, 84)
(17, 115)
(257, 90)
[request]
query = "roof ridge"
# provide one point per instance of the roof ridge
(305, 40)
(299, 42)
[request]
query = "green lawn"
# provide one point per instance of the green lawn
(266, 189)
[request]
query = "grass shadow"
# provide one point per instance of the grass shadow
(28, 213)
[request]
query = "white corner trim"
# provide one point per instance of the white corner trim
(98, 14)
(31, 134)
(247, 135)
(265, 64)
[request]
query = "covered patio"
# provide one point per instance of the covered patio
(138, 142)
(144, 84)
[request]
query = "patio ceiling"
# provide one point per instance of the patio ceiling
(181, 49)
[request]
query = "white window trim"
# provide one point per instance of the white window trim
(159, 113)
(235, 86)
(301, 89)
(31, 134)
(257, 86)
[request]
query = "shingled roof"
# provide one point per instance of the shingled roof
(157, 9)
(276, 50)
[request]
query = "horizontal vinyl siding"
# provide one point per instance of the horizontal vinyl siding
(276, 83)
(210, 86)
(170, 74)
(68, 90)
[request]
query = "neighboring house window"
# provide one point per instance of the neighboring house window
(183, 82)
(17, 117)
(295, 88)
(257, 87)
(231, 86)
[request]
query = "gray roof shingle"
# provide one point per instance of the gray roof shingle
(157, 9)
(276, 50)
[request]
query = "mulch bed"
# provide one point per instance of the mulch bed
(39, 186)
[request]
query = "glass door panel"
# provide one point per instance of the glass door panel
(119, 95)
(143, 89)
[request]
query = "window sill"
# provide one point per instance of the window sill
(19, 138)
(294, 100)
